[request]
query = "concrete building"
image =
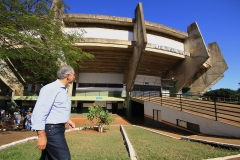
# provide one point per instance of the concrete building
(134, 56)
(131, 55)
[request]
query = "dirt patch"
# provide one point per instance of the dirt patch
(12, 136)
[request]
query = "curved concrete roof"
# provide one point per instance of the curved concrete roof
(94, 18)
(164, 29)
(122, 21)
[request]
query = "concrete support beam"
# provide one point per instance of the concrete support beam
(140, 39)
(214, 73)
(58, 8)
(10, 79)
(185, 70)
(73, 87)
(213, 83)
(70, 89)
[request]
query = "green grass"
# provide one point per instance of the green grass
(83, 146)
(25, 151)
(109, 145)
(150, 145)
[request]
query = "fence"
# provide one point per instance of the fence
(101, 93)
(222, 109)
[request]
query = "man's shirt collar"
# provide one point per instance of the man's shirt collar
(60, 84)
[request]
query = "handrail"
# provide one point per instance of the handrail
(206, 106)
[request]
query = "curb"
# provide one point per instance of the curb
(226, 158)
(18, 142)
(131, 150)
(29, 139)
(75, 129)
(211, 142)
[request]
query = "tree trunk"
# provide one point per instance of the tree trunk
(100, 129)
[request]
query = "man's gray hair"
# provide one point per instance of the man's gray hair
(63, 71)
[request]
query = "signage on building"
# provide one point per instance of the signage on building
(165, 48)
(99, 98)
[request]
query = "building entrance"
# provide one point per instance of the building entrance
(114, 108)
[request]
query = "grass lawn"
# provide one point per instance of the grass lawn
(150, 145)
(109, 145)
(83, 146)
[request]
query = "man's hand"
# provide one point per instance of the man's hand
(71, 125)
(42, 140)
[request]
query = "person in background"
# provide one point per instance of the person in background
(17, 118)
(51, 113)
(6, 119)
(2, 114)
(28, 120)
(23, 110)
(24, 114)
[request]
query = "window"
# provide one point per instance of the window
(146, 88)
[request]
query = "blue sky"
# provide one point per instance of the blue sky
(218, 20)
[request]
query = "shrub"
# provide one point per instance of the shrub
(102, 117)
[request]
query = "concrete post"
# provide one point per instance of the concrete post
(58, 8)
(140, 39)
(140, 42)
(10, 79)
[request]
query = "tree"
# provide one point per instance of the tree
(32, 40)
(238, 92)
(222, 92)
(102, 117)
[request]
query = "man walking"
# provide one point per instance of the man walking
(51, 113)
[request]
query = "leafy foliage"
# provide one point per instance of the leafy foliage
(32, 39)
(102, 117)
(238, 92)
(222, 92)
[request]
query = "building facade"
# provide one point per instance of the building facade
(132, 55)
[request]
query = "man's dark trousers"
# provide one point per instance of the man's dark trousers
(57, 148)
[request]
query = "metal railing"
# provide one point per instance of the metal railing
(100, 93)
(215, 108)
(85, 93)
